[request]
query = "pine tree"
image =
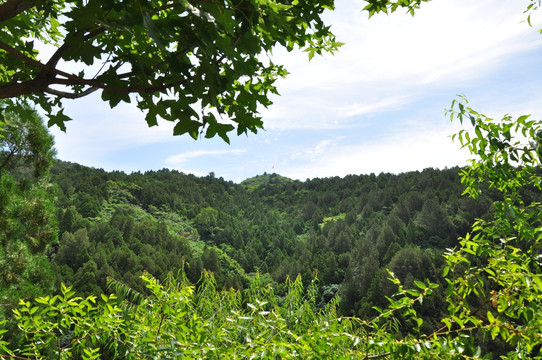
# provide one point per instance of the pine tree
(28, 224)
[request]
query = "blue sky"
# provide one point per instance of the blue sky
(376, 106)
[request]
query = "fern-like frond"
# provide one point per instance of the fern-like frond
(129, 299)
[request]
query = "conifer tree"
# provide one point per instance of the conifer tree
(28, 223)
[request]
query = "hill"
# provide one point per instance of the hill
(263, 180)
(346, 230)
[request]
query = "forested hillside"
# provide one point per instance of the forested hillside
(164, 265)
(346, 231)
(430, 264)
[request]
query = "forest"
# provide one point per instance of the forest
(347, 231)
(337, 236)
(433, 264)
(419, 264)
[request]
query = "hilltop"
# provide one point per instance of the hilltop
(265, 179)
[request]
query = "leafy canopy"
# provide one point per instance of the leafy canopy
(495, 277)
(205, 65)
(198, 63)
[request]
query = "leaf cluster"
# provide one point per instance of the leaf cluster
(204, 65)
(495, 278)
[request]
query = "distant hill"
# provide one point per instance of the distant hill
(346, 230)
(265, 179)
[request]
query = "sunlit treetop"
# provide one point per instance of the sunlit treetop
(204, 64)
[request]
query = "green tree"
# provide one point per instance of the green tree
(495, 277)
(26, 148)
(207, 218)
(186, 61)
(436, 230)
(28, 223)
(73, 249)
(207, 222)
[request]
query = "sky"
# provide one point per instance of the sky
(375, 106)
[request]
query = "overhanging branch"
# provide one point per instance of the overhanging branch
(121, 89)
(12, 8)
(68, 95)
(16, 89)
(11, 50)
(53, 60)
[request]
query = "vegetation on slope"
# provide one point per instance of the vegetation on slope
(349, 230)
(139, 228)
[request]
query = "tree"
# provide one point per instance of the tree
(194, 62)
(28, 223)
(495, 277)
(26, 148)
(206, 222)
(26, 153)
(73, 249)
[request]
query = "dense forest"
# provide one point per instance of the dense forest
(440, 264)
(344, 231)
(309, 252)
(369, 264)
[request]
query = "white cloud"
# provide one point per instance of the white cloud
(415, 150)
(201, 162)
(364, 108)
(374, 106)
(97, 130)
(447, 40)
(389, 61)
(310, 153)
(190, 155)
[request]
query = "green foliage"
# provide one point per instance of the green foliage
(28, 225)
(207, 219)
(387, 6)
(533, 6)
(351, 229)
(26, 146)
(265, 179)
(129, 234)
(64, 326)
(195, 63)
(492, 279)
(177, 320)
(149, 222)
(348, 229)
(495, 277)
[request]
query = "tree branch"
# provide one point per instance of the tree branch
(378, 356)
(118, 89)
(20, 56)
(69, 95)
(48, 74)
(53, 60)
(48, 71)
(46, 78)
(12, 8)
(42, 80)
(474, 313)
(24, 88)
